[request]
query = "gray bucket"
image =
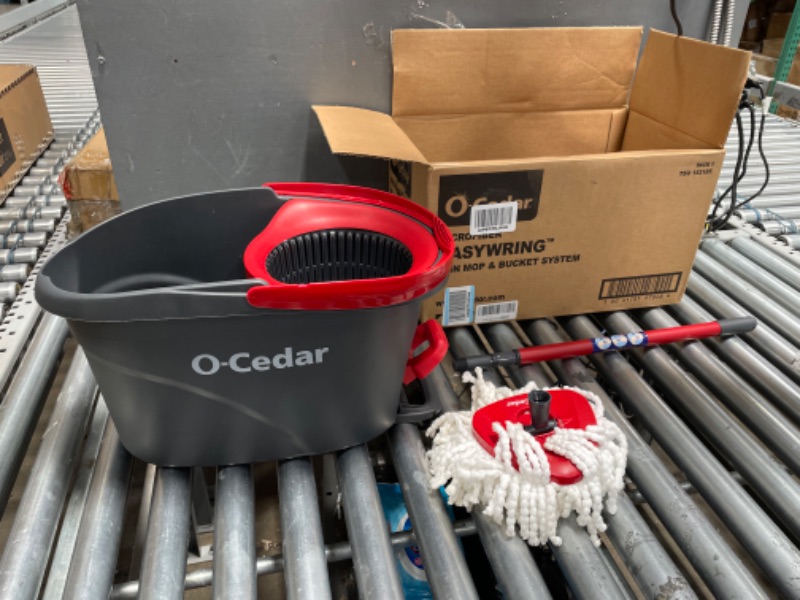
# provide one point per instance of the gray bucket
(195, 374)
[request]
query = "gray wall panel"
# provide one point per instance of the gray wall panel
(199, 94)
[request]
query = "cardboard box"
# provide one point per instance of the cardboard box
(89, 175)
(772, 47)
(778, 24)
(765, 65)
(605, 179)
(89, 186)
(25, 128)
(754, 22)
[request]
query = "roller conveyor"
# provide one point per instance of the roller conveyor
(713, 429)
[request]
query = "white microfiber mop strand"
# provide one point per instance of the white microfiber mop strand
(526, 497)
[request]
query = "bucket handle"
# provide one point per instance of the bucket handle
(419, 366)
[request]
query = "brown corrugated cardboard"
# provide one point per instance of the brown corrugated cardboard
(89, 186)
(89, 176)
(25, 128)
(603, 197)
(778, 24)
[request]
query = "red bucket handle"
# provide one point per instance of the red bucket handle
(421, 365)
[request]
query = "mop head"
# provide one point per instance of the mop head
(526, 496)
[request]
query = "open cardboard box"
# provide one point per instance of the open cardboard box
(570, 184)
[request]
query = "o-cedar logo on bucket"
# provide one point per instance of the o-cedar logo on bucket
(459, 193)
(242, 362)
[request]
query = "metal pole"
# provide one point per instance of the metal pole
(445, 566)
(761, 373)
(718, 565)
(25, 397)
(649, 563)
(768, 260)
(164, 562)
(91, 572)
(582, 563)
(759, 303)
(760, 537)
(305, 568)
(779, 351)
(73, 513)
(28, 547)
(779, 291)
(266, 565)
(510, 557)
(234, 534)
(143, 517)
(373, 560)
(767, 422)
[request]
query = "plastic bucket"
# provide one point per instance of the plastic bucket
(218, 338)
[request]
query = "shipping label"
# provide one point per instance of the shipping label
(459, 304)
(621, 289)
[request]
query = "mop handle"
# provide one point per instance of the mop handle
(651, 337)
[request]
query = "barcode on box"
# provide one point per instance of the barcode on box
(459, 303)
(499, 311)
(645, 285)
(493, 218)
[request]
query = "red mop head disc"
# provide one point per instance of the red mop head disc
(570, 410)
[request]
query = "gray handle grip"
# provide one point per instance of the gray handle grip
(737, 325)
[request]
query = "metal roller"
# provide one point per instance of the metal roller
(450, 578)
(234, 536)
(760, 304)
(754, 215)
(16, 272)
(23, 201)
(782, 353)
(11, 214)
(761, 373)
(8, 291)
(373, 558)
(44, 212)
(26, 554)
(27, 226)
(19, 255)
(791, 239)
(758, 414)
(781, 292)
(164, 562)
(769, 260)
(779, 227)
(305, 565)
(91, 571)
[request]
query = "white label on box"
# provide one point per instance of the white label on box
(497, 311)
(459, 303)
(493, 218)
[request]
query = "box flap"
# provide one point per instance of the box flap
(687, 85)
(511, 136)
(465, 71)
(364, 132)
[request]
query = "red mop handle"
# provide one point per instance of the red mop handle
(623, 341)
